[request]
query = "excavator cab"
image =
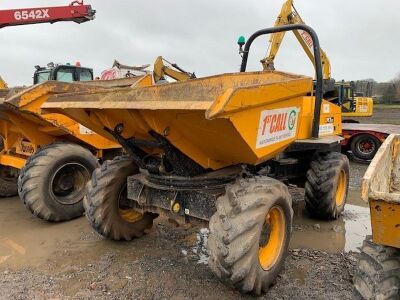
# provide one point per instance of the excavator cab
(353, 104)
(62, 73)
(344, 96)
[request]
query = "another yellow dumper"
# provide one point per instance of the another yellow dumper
(378, 271)
(53, 155)
(219, 149)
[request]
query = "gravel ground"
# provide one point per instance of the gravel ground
(70, 261)
(168, 264)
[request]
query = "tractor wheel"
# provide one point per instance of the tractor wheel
(8, 181)
(106, 205)
(378, 272)
(52, 183)
(365, 146)
(250, 234)
(327, 185)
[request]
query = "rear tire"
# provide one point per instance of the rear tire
(52, 183)
(8, 181)
(105, 196)
(250, 234)
(8, 178)
(377, 274)
(365, 146)
(327, 185)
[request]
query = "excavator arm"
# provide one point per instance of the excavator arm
(289, 15)
(161, 70)
(76, 12)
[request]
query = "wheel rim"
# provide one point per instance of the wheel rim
(341, 188)
(68, 183)
(126, 212)
(366, 146)
(272, 238)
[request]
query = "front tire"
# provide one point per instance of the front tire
(378, 272)
(327, 185)
(250, 234)
(106, 204)
(52, 183)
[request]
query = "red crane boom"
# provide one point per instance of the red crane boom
(76, 12)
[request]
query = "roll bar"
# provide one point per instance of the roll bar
(317, 63)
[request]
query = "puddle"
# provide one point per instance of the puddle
(345, 234)
(354, 198)
(26, 241)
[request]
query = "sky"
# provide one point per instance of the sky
(359, 36)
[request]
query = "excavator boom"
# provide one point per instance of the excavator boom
(161, 70)
(287, 16)
(351, 106)
(75, 12)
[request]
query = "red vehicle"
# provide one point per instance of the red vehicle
(364, 140)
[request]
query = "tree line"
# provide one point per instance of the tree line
(382, 92)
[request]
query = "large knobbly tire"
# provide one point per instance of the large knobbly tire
(377, 275)
(365, 146)
(8, 181)
(327, 185)
(52, 183)
(250, 234)
(105, 199)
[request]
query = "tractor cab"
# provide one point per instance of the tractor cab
(63, 73)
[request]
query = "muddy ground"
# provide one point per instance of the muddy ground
(69, 261)
(39, 260)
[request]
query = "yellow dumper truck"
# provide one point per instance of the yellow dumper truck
(50, 155)
(378, 271)
(219, 149)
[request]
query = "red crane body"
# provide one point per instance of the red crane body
(76, 12)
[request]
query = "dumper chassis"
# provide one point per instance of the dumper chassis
(248, 205)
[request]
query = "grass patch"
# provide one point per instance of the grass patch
(386, 106)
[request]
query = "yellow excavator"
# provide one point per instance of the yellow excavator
(341, 93)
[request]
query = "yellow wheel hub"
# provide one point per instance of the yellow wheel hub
(341, 188)
(130, 215)
(269, 253)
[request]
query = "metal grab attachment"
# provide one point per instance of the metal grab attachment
(317, 61)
